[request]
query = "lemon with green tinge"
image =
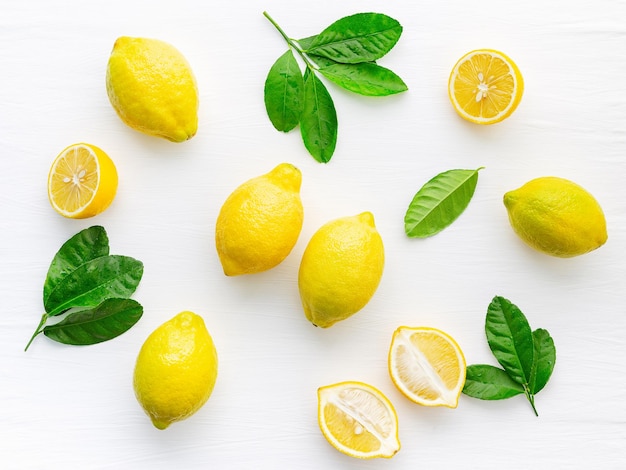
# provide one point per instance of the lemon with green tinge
(152, 88)
(260, 222)
(176, 370)
(556, 216)
(341, 269)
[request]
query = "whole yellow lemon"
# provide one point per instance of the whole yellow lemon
(341, 268)
(152, 88)
(556, 216)
(260, 222)
(176, 370)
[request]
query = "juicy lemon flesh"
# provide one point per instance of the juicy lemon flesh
(485, 86)
(176, 370)
(427, 366)
(557, 217)
(349, 433)
(82, 181)
(340, 269)
(358, 420)
(260, 222)
(152, 88)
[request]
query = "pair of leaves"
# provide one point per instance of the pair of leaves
(91, 289)
(527, 357)
(344, 53)
(440, 202)
(357, 74)
(292, 99)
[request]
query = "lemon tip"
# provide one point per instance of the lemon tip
(161, 425)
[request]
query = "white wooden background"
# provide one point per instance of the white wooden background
(73, 407)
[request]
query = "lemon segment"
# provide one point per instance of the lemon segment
(260, 222)
(556, 216)
(485, 86)
(358, 420)
(176, 370)
(152, 88)
(427, 366)
(341, 269)
(82, 181)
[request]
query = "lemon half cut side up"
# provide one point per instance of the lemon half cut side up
(82, 181)
(485, 86)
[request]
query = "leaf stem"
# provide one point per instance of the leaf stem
(293, 44)
(280, 30)
(531, 399)
(38, 330)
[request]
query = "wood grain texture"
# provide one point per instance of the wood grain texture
(68, 407)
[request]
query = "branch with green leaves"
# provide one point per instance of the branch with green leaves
(86, 292)
(527, 357)
(344, 53)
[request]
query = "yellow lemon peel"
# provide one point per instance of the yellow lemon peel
(260, 222)
(152, 88)
(340, 269)
(556, 216)
(176, 370)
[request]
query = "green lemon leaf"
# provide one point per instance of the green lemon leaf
(86, 245)
(305, 43)
(320, 61)
(95, 281)
(545, 358)
(490, 383)
(318, 124)
(106, 321)
(367, 78)
(440, 202)
(284, 93)
(510, 338)
(363, 37)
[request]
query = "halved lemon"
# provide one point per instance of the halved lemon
(485, 86)
(427, 366)
(358, 420)
(82, 181)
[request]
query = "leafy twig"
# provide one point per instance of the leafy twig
(527, 357)
(344, 53)
(90, 289)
